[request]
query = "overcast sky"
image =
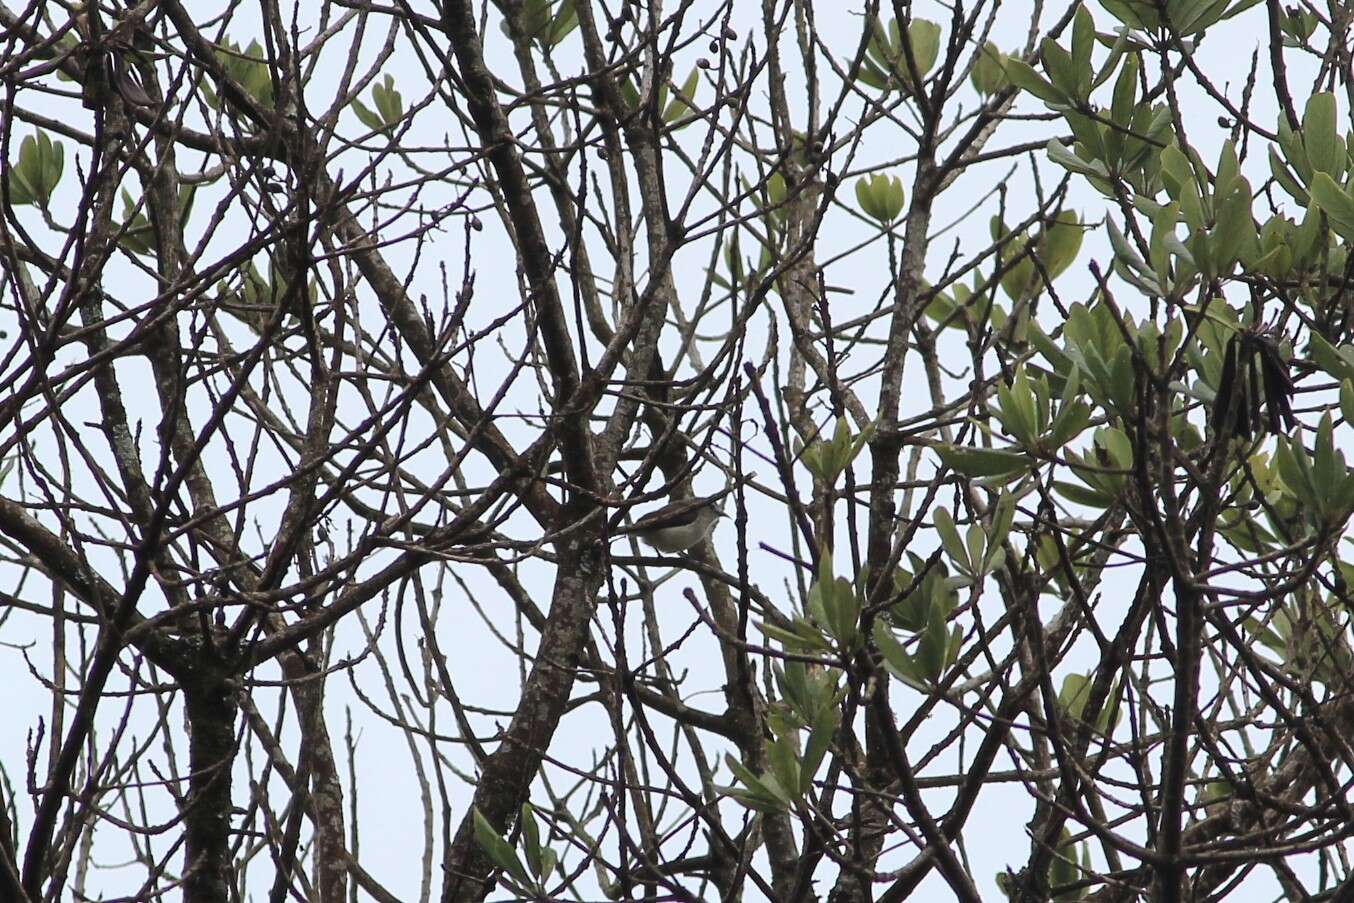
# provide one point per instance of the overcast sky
(391, 821)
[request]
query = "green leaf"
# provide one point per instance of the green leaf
(1061, 362)
(803, 637)
(1298, 24)
(950, 312)
(38, 170)
(1058, 153)
(1277, 264)
(1072, 420)
(1329, 359)
(1335, 203)
(1329, 464)
(1308, 237)
(1138, 14)
(549, 862)
(629, 93)
(1018, 409)
(680, 105)
(248, 69)
(1295, 469)
(1284, 176)
(389, 107)
(1064, 870)
(871, 75)
(887, 57)
(924, 37)
(1019, 281)
(1274, 638)
(843, 610)
(1002, 518)
(1075, 693)
(1122, 381)
(1229, 170)
(784, 761)
(763, 793)
(1178, 177)
(1062, 72)
(388, 101)
(934, 650)
(1083, 40)
(1290, 142)
(1024, 77)
(539, 24)
(137, 234)
(1061, 243)
(911, 611)
(531, 841)
(979, 552)
(989, 75)
(896, 658)
(820, 738)
(1072, 697)
(497, 849)
(1235, 235)
(1206, 16)
(1325, 149)
(983, 462)
(1120, 447)
(1187, 17)
(834, 603)
(561, 25)
(865, 197)
(949, 538)
(1125, 92)
(880, 197)
(1082, 495)
(1125, 252)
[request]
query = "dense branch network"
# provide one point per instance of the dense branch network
(344, 345)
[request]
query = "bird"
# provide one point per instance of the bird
(678, 526)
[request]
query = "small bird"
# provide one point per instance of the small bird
(678, 526)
